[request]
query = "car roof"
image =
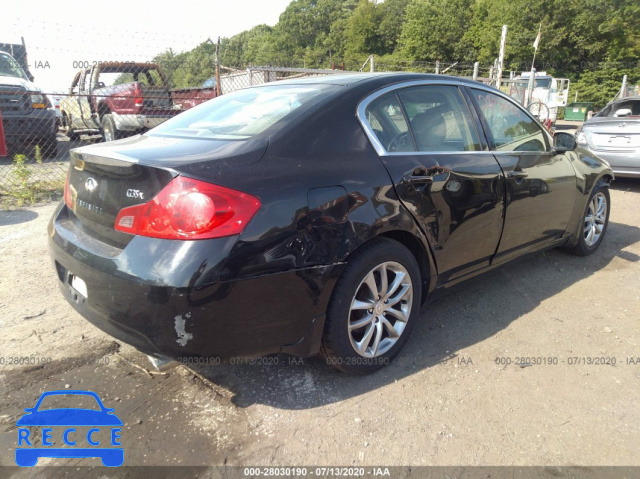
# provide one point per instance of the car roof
(348, 79)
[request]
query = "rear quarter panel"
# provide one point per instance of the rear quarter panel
(325, 149)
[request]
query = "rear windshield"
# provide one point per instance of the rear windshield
(242, 114)
(147, 76)
(623, 109)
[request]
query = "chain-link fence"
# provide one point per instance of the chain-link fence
(107, 101)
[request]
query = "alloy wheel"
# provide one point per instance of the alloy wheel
(595, 219)
(380, 309)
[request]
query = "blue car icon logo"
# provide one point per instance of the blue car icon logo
(66, 421)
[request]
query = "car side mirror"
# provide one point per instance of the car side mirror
(563, 142)
(29, 409)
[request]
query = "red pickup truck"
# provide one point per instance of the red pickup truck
(137, 98)
(185, 98)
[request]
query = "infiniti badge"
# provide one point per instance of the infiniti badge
(90, 185)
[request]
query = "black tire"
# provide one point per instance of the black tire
(542, 110)
(109, 130)
(49, 147)
(68, 129)
(585, 247)
(338, 343)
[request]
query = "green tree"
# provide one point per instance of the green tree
(433, 29)
(318, 25)
(234, 52)
(197, 66)
(392, 17)
(589, 41)
(601, 86)
(169, 62)
(335, 41)
(362, 36)
(606, 30)
(264, 50)
(522, 18)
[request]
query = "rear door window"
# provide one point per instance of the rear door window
(387, 120)
(439, 118)
(510, 128)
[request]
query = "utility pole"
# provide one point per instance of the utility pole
(532, 78)
(476, 69)
(437, 67)
(623, 88)
(503, 43)
(218, 87)
(371, 64)
(536, 44)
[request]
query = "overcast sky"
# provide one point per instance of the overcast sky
(63, 32)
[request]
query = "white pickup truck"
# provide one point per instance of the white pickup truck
(548, 94)
(28, 117)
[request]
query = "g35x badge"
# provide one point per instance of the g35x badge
(135, 194)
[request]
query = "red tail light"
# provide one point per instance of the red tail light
(138, 100)
(190, 209)
(68, 198)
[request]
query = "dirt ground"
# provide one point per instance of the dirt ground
(449, 399)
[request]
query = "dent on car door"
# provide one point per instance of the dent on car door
(540, 185)
(429, 144)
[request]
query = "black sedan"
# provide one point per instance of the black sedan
(315, 215)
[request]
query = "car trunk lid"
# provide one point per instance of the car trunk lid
(614, 135)
(100, 186)
(105, 178)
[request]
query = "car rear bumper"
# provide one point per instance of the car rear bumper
(178, 315)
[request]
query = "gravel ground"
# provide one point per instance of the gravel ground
(444, 401)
